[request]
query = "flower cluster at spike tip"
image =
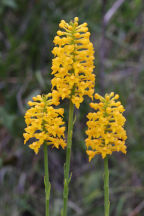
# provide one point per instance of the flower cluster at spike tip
(73, 63)
(44, 123)
(105, 127)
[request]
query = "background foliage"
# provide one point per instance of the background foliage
(27, 29)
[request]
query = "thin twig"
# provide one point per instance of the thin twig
(137, 209)
(112, 10)
(75, 207)
(102, 48)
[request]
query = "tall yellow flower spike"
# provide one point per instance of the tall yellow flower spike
(44, 124)
(105, 127)
(73, 63)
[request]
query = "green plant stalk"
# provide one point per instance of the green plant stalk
(46, 181)
(68, 156)
(106, 187)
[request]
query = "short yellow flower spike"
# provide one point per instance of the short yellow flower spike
(73, 63)
(44, 124)
(105, 127)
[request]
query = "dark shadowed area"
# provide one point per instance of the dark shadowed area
(27, 30)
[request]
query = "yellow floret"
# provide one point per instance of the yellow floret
(105, 131)
(73, 63)
(44, 123)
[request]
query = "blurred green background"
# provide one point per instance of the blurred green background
(27, 29)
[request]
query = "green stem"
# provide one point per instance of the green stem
(46, 180)
(106, 187)
(68, 156)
